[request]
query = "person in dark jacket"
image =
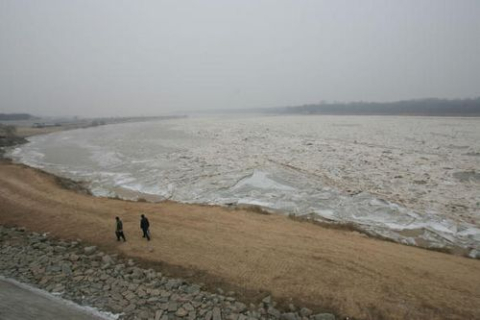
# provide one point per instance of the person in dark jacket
(144, 225)
(119, 230)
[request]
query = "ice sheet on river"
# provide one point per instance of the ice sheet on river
(409, 179)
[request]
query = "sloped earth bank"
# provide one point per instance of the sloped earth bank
(257, 255)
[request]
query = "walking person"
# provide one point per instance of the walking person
(144, 225)
(119, 230)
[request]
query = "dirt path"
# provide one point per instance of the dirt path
(318, 267)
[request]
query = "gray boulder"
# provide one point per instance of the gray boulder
(305, 312)
(90, 250)
(324, 316)
(289, 316)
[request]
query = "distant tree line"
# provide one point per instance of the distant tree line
(16, 116)
(421, 107)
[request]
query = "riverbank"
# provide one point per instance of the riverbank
(386, 182)
(252, 254)
(117, 287)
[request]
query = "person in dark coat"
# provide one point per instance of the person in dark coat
(119, 230)
(144, 225)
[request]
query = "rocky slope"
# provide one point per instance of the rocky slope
(88, 276)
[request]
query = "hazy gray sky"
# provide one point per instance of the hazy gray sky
(157, 57)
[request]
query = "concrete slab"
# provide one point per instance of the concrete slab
(21, 302)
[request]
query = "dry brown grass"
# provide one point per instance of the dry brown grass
(255, 254)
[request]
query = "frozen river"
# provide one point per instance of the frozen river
(415, 180)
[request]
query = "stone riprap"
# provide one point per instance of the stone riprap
(87, 276)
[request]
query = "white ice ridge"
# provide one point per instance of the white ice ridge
(260, 180)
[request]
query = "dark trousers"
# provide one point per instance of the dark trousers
(146, 234)
(119, 235)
